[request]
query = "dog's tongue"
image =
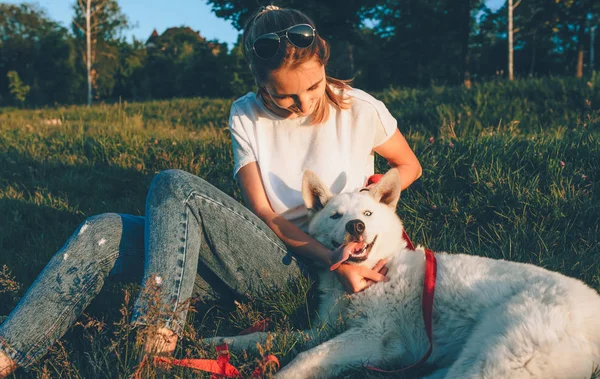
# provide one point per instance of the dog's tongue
(342, 253)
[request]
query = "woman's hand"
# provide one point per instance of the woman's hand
(357, 278)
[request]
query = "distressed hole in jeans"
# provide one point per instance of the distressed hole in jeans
(83, 228)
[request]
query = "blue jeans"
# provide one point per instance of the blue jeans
(194, 238)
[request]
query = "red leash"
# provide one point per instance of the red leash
(427, 310)
(221, 366)
(427, 298)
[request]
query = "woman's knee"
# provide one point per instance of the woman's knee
(96, 236)
(174, 184)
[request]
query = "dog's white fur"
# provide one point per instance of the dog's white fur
(492, 318)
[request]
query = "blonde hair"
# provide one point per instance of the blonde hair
(270, 19)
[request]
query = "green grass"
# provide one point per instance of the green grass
(511, 171)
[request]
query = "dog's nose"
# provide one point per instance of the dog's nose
(355, 227)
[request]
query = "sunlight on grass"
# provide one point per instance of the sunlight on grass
(510, 170)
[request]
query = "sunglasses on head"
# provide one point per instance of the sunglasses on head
(301, 35)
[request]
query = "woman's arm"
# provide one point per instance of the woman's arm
(354, 278)
(399, 155)
(256, 200)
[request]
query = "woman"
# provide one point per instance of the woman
(299, 119)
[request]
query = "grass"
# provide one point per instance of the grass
(511, 171)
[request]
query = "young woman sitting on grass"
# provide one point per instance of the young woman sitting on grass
(195, 237)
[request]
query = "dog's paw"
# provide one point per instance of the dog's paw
(238, 343)
(290, 374)
(215, 341)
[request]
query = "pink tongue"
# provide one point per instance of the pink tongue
(342, 253)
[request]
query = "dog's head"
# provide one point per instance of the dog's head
(364, 222)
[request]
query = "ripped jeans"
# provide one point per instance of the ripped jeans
(194, 239)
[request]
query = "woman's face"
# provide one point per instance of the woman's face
(297, 91)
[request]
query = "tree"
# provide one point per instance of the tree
(511, 51)
(40, 50)
(527, 27)
(103, 22)
(426, 41)
(465, 25)
(180, 62)
(130, 70)
(592, 46)
(18, 89)
(537, 46)
(578, 16)
(241, 80)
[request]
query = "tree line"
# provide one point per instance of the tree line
(379, 43)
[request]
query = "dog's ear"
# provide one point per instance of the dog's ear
(387, 190)
(314, 193)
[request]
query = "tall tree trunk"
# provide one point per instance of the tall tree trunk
(580, 37)
(511, 75)
(465, 25)
(533, 52)
(592, 30)
(88, 39)
(90, 44)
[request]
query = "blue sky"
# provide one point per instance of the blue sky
(147, 15)
(159, 14)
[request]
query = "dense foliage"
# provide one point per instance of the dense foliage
(380, 43)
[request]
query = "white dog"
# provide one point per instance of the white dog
(491, 318)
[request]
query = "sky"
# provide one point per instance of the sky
(147, 15)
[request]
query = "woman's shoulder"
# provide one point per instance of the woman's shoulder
(363, 102)
(244, 103)
(361, 96)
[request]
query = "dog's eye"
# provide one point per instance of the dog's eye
(367, 213)
(335, 216)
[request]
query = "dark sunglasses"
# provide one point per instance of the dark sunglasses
(301, 35)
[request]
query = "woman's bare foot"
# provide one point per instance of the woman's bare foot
(7, 366)
(156, 341)
(160, 342)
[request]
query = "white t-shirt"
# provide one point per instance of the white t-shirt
(339, 151)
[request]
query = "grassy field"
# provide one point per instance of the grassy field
(510, 170)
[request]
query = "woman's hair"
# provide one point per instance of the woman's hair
(272, 19)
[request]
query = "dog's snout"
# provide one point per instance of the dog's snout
(355, 227)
